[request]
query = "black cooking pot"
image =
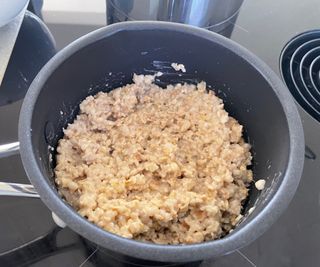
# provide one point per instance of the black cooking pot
(107, 58)
(33, 48)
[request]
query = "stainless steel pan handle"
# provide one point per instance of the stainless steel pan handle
(21, 190)
(25, 190)
(9, 149)
(14, 189)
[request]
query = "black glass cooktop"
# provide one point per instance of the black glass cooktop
(28, 235)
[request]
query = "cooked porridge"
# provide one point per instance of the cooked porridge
(167, 166)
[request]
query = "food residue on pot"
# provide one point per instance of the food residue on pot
(260, 184)
(251, 210)
(178, 67)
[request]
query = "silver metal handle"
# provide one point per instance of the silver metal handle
(14, 189)
(25, 190)
(21, 190)
(9, 149)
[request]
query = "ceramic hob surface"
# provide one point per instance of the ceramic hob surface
(28, 235)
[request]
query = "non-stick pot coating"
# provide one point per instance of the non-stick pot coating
(108, 58)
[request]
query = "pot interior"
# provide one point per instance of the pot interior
(110, 62)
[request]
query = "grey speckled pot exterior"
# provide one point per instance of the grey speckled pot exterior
(252, 93)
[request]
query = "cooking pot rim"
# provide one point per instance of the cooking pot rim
(148, 251)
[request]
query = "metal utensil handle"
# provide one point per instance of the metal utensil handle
(9, 149)
(13, 189)
(25, 190)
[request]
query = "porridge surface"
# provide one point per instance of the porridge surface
(167, 166)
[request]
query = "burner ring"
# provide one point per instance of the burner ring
(307, 100)
(314, 73)
(304, 71)
(300, 70)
